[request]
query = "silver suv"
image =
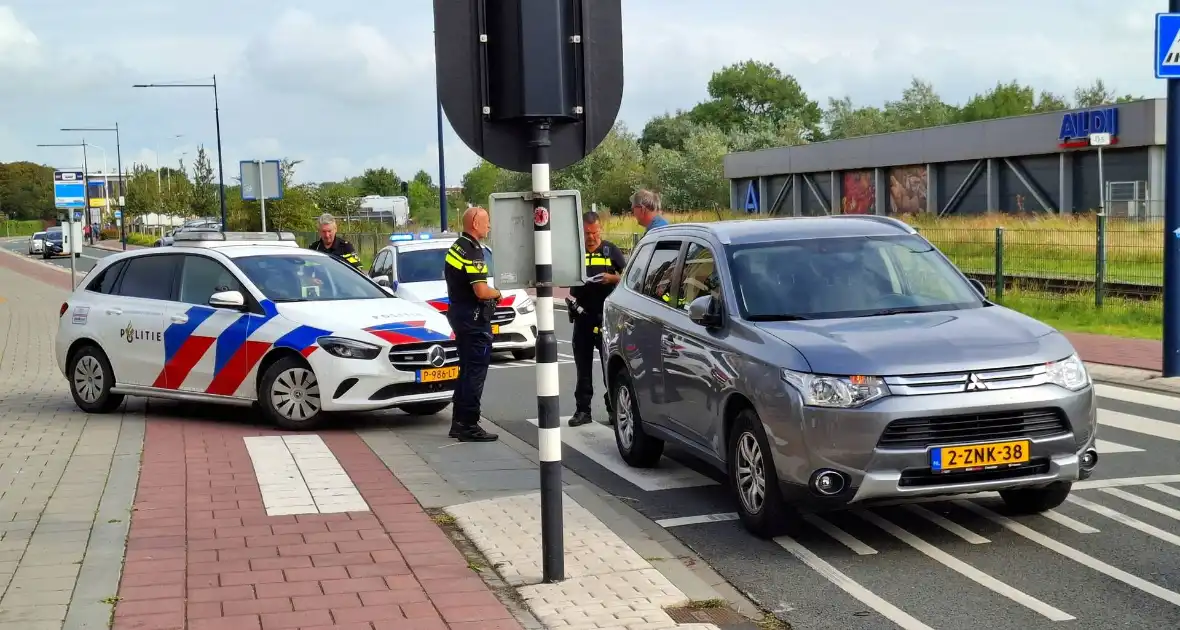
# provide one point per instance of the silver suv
(822, 362)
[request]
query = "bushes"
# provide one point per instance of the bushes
(21, 228)
(143, 240)
(109, 234)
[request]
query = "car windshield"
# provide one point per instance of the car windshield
(846, 277)
(426, 265)
(307, 278)
(53, 236)
(39, 235)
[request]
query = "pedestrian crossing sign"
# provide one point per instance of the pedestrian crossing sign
(1167, 46)
(752, 197)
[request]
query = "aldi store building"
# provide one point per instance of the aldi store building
(1037, 163)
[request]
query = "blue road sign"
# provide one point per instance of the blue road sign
(118, 214)
(77, 216)
(1167, 45)
(752, 197)
(69, 189)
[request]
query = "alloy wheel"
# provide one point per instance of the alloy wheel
(750, 473)
(88, 379)
(296, 394)
(624, 420)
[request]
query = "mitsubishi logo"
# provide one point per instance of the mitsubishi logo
(436, 356)
(974, 384)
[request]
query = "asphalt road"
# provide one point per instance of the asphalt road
(84, 263)
(1109, 558)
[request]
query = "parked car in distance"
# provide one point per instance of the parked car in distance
(836, 361)
(36, 243)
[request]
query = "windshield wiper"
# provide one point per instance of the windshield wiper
(896, 311)
(777, 318)
(287, 300)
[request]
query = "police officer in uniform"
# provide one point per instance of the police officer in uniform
(604, 263)
(472, 303)
(337, 247)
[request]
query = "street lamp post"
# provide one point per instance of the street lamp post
(74, 246)
(122, 198)
(217, 122)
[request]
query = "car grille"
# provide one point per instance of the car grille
(411, 357)
(503, 315)
(397, 390)
(966, 429)
(917, 477)
(957, 382)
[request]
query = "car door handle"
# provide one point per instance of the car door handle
(114, 311)
(180, 319)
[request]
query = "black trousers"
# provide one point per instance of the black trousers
(474, 338)
(587, 340)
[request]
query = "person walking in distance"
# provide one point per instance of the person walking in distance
(472, 303)
(645, 205)
(604, 263)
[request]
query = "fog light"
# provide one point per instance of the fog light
(1089, 459)
(827, 482)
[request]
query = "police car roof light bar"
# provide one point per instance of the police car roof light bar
(401, 237)
(232, 236)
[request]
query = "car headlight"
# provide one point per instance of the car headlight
(1069, 373)
(843, 392)
(526, 306)
(349, 348)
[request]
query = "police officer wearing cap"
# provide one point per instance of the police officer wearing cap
(337, 247)
(604, 263)
(472, 303)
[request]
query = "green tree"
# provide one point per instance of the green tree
(339, 199)
(745, 91)
(693, 178)
(667, 130)
(26, 191)
(1097, 94)
(609, 174)
(1009, 99)
(844, 120)
(204, 201)
(920, 107)
(144, 192)
(480, 182)
(380, 181)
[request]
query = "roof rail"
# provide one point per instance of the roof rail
(898, 223)
(216, 236)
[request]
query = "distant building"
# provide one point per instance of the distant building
(1037, 163)
(393, 209)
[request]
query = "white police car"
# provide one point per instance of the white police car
(412, 264)
(251, 318)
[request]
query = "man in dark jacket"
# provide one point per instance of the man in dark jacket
(330, 244)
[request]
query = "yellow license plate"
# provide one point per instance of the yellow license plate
(979, 456)
(432, 375)
(495, 329)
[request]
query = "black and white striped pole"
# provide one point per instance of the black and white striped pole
(548, 385)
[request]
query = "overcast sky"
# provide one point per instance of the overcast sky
(348, 84)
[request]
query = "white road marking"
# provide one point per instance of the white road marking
(898, 616)
(1106, 448)
(1147, 503)
(1139, 424)
(1169, 490)
(298, 474)
(681, 521)
(1073, 554)
(964, 569)
(948, 525)
(1092, 484)
(1160, 401)
(848, 540)
(597, 442)
(1119, 517)
(1065, 521)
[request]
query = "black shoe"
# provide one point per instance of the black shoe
(580, 418)
(473, 433)
(455, 430)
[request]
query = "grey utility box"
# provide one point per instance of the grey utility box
(512, 243)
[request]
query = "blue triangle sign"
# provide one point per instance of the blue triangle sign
(752, 197)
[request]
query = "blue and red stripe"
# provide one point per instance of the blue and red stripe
(407, 332)
(183, 349)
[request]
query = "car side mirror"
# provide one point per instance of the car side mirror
(227, 299)
(979, 288)
(705, 311)
(382, 280)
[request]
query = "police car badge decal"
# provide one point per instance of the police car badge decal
(541, 216)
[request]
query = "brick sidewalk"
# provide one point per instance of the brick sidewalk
(202, 552)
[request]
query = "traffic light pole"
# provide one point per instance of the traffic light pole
(548, 386)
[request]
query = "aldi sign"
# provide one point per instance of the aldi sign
(1076, 127)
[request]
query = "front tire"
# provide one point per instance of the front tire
(91, 379)
(1036, 500)
(424, 409)
(637, 448)
(754, 479)
(289, 395)
(528, 354)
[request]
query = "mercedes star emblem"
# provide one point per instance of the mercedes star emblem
(436, 356)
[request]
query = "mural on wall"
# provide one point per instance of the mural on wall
(860, 193)
(907, 190)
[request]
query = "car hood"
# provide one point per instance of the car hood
(923, 343)
(394, 320)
